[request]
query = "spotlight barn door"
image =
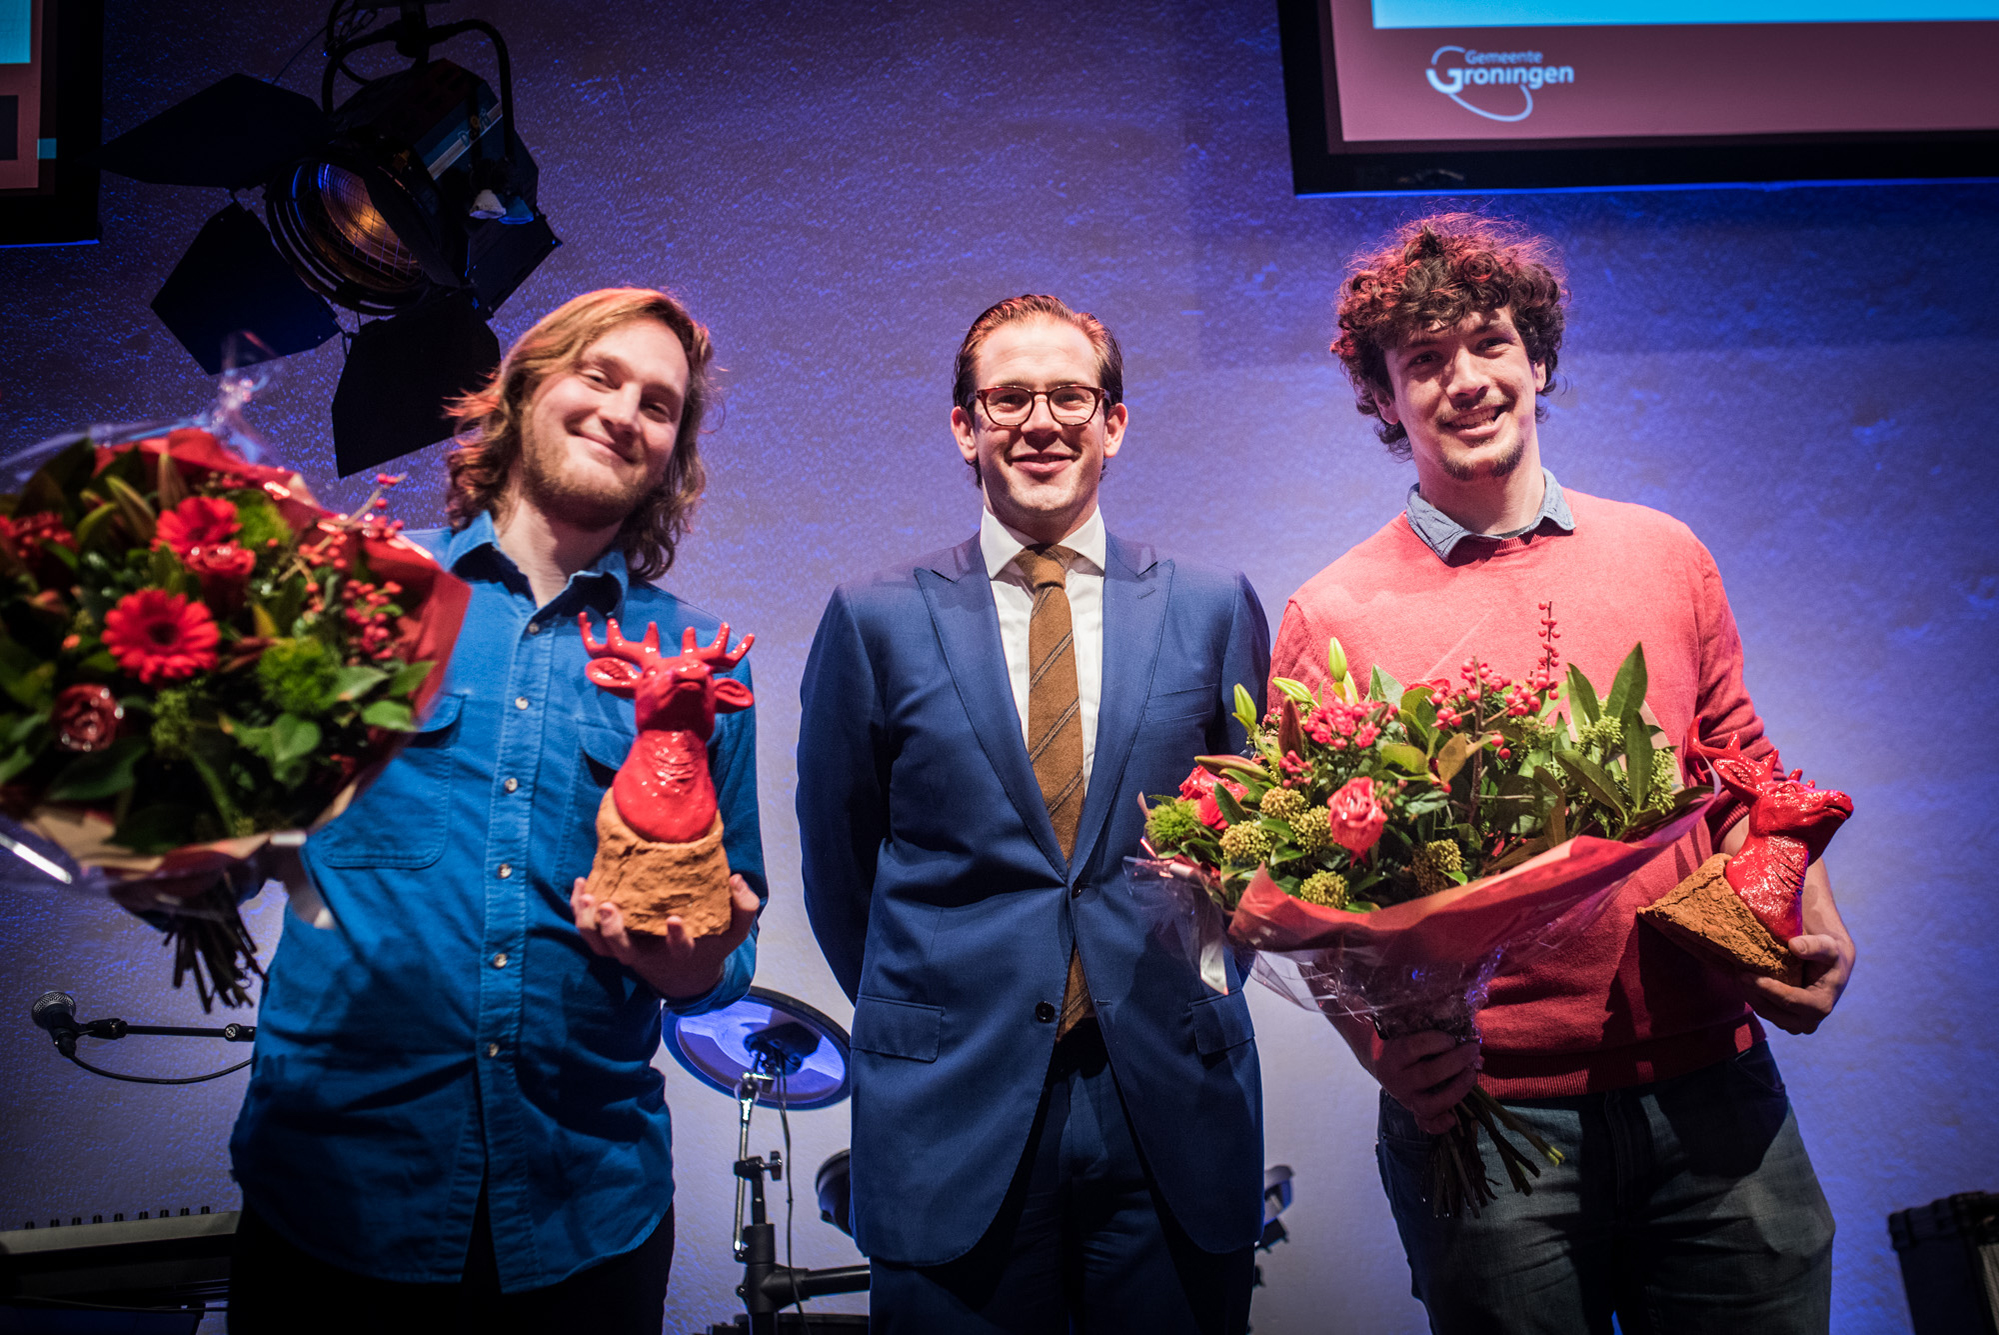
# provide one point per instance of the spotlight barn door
(402, 373)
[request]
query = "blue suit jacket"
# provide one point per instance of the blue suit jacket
(940, 896)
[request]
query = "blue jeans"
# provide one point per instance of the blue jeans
(1683, 1206)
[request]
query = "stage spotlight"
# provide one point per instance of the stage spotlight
(413, 202)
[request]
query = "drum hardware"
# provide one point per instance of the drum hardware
(770, 1049)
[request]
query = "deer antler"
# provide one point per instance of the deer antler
(1732, 767)
(641, 653)
(716, 655)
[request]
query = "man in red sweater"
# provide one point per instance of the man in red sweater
(1686, 1201)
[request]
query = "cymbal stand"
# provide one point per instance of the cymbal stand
(768, 1287)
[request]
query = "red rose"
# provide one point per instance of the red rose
(158, 636)
(224, 569)
(1357, 817)
(87, 718)
(1199, 788)
(24, 536)
(198, 521)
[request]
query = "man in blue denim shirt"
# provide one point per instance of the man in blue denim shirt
(453, 1118)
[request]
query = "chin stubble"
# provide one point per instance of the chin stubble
(1500, 467)
(555, 492)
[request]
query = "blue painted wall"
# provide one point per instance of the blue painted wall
(1806, 377)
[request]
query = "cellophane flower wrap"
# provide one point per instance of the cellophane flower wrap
(195, 657)
(1381, 857)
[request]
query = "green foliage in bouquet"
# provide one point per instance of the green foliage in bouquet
(189, 646)
(1359, 802)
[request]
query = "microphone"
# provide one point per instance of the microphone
(56, 1012)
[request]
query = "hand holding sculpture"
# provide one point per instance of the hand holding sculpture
(659, 832)
(1747, 908)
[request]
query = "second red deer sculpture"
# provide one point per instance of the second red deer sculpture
(1748, 907)
(1790, 823)
(659, 831)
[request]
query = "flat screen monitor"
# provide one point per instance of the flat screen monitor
(51, 99)
(1444, 95)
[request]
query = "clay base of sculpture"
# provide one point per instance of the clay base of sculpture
(652, 882)
(1704, 914)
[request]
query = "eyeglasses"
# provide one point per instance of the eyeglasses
(1011, 405)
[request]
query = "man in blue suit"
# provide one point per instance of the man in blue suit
(1056, 1118)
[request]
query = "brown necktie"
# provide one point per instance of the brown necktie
(1055, 728)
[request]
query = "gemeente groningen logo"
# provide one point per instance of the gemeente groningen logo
(1525, 70)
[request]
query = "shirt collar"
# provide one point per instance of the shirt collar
(999, 545)
(1441, 533)
(474, 551)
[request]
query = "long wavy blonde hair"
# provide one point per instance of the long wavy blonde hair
(491, 419)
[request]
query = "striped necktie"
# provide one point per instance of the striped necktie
(1055, 727)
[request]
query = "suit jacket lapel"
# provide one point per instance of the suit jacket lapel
(967, 622)
(1135, 598)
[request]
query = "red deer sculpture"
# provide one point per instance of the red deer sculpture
(663, 791)
(1790, 823)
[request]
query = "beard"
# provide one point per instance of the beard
(1460, 471)
(551, 487)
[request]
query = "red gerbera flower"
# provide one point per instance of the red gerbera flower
(159, 636)
(198, 521)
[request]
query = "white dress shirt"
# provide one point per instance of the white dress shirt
(1014, 597)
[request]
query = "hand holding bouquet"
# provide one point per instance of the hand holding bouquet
(194, 656)
(1386, 853)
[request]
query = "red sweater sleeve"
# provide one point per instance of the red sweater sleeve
(1725, 709)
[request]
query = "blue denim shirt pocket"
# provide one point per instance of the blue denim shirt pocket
(603, 750)
(406, 798)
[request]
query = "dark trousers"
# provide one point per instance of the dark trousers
(277, 1289)
(1684, 1207)
(1082, 1241)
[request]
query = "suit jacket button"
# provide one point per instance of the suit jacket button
(1044, 1012)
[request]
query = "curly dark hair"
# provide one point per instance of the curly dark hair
(491, 419)
(1439, 270)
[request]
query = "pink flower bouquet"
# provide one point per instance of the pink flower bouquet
(1384, 856)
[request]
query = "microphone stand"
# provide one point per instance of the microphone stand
(56, 1013)
(117, 1028)
(768, 1287)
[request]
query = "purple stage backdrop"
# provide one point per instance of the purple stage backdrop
(1805, 376)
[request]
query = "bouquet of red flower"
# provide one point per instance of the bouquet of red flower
(1384, 855)
(193, 657)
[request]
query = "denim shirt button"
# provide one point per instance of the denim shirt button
(506, 869)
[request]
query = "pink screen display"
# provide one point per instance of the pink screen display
(1612, 82)
(22, 81)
